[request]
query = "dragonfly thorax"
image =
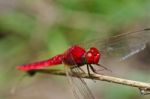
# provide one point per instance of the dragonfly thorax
(92, 56)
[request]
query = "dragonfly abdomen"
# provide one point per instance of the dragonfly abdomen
(41, 64)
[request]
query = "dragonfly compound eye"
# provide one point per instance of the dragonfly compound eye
(92, 56)
(89, 57)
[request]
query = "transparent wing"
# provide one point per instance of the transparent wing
(122, 46)
(78, 85)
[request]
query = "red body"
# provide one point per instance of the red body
(74, 55)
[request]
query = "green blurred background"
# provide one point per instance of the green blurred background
(32, 30)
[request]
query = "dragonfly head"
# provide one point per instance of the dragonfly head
(92, 56)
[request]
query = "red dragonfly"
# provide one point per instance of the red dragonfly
(73, 56)
(76, 56)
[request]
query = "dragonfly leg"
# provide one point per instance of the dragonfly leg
(76, 66)
(88, 70)
(81, 69)
(77, 75)
(103, 67)
(95, 71)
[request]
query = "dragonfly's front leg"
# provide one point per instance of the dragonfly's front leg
(95, 71)
(88, 70)
(103, 67)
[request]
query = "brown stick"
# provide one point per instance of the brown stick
(144, 87)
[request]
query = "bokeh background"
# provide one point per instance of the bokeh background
(32, 30)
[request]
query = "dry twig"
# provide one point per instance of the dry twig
(144, 87)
